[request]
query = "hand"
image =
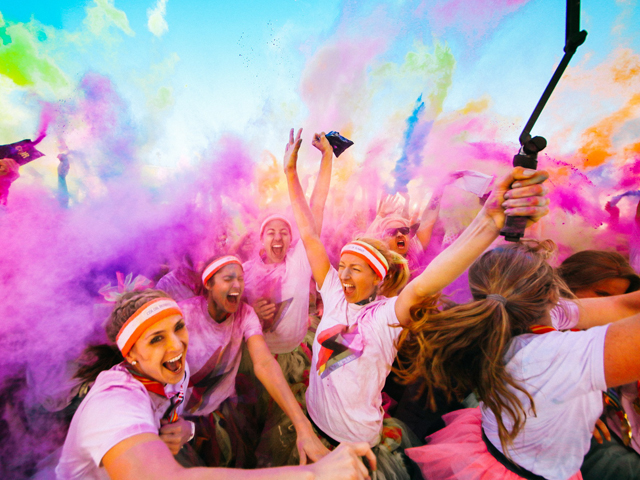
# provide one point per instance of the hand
(521, 194)
(321, 143)
(601, 427)
(291, 152)
(309, 445)
(388, 204)
(9, 169)
(265, 311)
(175, 434)
(344, 463)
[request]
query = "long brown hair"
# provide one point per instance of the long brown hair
(97, 358)
(463, 348)
(583, 269)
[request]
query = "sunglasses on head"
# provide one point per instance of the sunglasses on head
(411, 231)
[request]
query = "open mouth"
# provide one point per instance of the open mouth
(277, 250)
(401, 243)
(174, 365)
(232, 298)
(348, 288)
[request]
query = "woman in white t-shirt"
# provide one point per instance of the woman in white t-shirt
(128, 425)
(540, 388)
(354, 345)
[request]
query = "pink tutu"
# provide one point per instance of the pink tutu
(458, 452)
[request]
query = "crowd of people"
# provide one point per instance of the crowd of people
(286, 364)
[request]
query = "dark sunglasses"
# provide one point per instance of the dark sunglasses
(410, 231)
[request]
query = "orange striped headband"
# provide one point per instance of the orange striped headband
(369, 254)
(148, 314)
(216, 265)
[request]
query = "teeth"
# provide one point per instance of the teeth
(175, 359)
(347, 285)
(233, 294)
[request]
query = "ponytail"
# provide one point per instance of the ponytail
(463, 348)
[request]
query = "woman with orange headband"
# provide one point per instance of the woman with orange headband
(220, 324)
(355, 343)
(130, 416)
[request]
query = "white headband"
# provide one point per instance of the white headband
(148, 314)
(216, 265)
(369, 254)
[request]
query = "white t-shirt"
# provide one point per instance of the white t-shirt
(117, 407)
(287, 285)
(214, 352)
(564, 373)
(344, 397)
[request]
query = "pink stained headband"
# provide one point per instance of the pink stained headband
(274, 217)
(369, 254)
(148, 314)
(216, 265)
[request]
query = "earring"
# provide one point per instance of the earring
(134, 362)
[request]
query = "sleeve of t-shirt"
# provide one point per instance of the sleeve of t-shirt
(562, 365)
(113, 415)
(565, 315)
(251, 323)
(331, 290)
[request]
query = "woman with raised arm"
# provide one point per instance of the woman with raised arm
(220, 324)
(128, 425)
(540, 388)
(354, 345)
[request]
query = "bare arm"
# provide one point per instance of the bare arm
(145, 456)
(321, 188)
(621, 352)
(269, 373)
(605, 310)
(526, 197)
(316, 253)
(429, 218)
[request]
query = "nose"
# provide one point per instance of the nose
(174, 342)
(345, 273)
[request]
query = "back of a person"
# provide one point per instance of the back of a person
(564, 373)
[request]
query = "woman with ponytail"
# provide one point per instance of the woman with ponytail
(540, 388)
(355, 343)
(130, 416)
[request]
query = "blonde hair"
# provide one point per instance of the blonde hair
(398, 274)
(463, 348)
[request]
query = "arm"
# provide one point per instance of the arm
(131, 459)
(605, 310)
(429, 218)
(524, 197)
(269, 373)
(621, 352)
(316, 253)
(321, 188)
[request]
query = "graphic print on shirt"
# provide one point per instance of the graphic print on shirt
(340, 345)
(268, 283)
(205, 380)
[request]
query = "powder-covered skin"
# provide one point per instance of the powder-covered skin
(174, 119)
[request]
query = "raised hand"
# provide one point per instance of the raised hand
(291, 151)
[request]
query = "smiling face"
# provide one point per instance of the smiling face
(224, 290)
(397, 241)
(276, 240)
(604, 288)
(358, 279)
(160, 352)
